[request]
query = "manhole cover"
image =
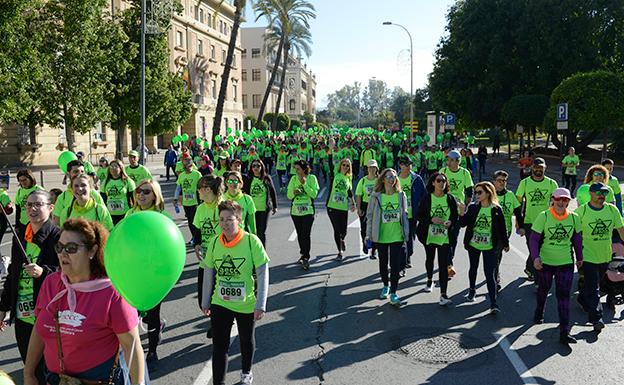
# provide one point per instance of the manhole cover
(442, 349)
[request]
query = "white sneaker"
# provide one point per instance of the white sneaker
(444, 301)
(246, 378)
(429, 287)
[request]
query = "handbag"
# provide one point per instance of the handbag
(66, 379)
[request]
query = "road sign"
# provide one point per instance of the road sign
(450, 119)
(413, 124)
(449, 126)
(562, 125)
(519, 129)
(562, 112)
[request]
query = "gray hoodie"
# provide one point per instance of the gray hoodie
(373, 216)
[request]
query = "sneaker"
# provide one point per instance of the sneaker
(305, 264)
(408, 265)
(373, 256)
(246, 378)
(152, 361)
(529, 275)
(364, 249)
(495, 309)
(451, 271)
(444, 300)
(339, 257)
(598, 325)
(429, 286)
(385, 291)
(209, 333)
(395, 300)
(402, 273)
(470, 297)
(566, 339)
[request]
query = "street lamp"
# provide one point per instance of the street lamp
(411, 74)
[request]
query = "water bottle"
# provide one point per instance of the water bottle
(177, 209)
(369, 244)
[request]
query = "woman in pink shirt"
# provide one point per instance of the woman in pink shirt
(79, 310)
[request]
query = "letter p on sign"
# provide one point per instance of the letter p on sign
(562, 112)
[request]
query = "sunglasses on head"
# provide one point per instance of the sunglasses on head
(69, 248)
(232, 181)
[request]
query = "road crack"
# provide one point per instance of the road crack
(320, 330)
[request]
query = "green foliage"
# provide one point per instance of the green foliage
(308, 117)
(295, 123)
(283, 122)
(268, 117)
(526, 110)
(262, 125)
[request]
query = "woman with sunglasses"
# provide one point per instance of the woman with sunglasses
(485, 233)
(363, 190)
(78, 311)
(259, 186)
(117, 191)
(234, 192)
(303, 188)
(84, 205)
(338, 199)
(595, 174)
(102, 170)
(437, 215)
(388, 228)
(22, 285)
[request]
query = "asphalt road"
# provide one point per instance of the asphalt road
(326, 325)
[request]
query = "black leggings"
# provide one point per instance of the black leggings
(222, 319)
(262, 218)
(364, 207)
(569, 182)
(443, 252)
(152, 319)
(490, 261)
(338, 220)
(395, 254)
(303, 226)
(189, 213)
(23, 330)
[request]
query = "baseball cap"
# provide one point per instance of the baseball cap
(133, 153)
(454, 154)
(598, 187)
(562, 193)
(372, 163)
(224, 155)
(103, 159)
(80, 154)
(539, 162)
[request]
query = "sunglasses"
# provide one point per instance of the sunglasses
(69, 248)
(479, 192)
(232, 181)
(390, 177)
(440, 180)
(599, 173)
(561, 199)
(255, 165)
(501, 180)
(30, 205)
(601, 192)
(144, 191)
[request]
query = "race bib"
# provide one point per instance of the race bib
(189, 196)
(570, 170)
(481, 239)
(302, 208)
(25, 306)
(390, 216)
(281, 163)
(437, 230)
(340, 198)
(232, 291)
(115, 205)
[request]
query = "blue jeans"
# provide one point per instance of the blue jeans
(590, 290)
(490, 261)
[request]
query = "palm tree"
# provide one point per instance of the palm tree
(280, 15)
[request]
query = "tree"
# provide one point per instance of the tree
(525, 110)
(343, 104)
(376, 97)
(280, 14)
(596, 104)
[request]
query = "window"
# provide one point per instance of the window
(313, 92)
(303, 85)
(255, 75)
(255, 100)
(244, 101)
(213, 86)
(213, 52)
(201, 85)
(99, 134)
(221, 26)
(179, 39)
(255, 53)
(223, 56)
(244, 75)
(226, 122)
(234, 60)
(201, 15)
(244, 54)
(209, 20)
(302, 106)
(203, 125)
(200, 47)
(292, 104)
(235, 93)
(196, 12)
(235, 123)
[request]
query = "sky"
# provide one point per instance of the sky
(350, 43)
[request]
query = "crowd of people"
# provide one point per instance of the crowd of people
(59, 299)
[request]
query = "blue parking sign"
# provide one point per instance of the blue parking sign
(449, 119)
(562, 112)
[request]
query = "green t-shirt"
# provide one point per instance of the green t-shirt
(508, 203)
(537, 196)
(438, 234)
(25, 309)
(406, 187)
(188, 182)
(339, 194)
(207, 221)
(234, 267)
(583, 196)
(20, 199)
(365, 187)
(258, 192)
(614, 183)
(389, 159)
(482, 232)
(572, 161)
(432, 160)
(390, 229)
(67, 197)
(597, 227)
(101, 173)
(5, 199)
(88, 167)
(93, 211)
(116, 191)
(138, 173)
(367, 155)
(458, 181)
(282, 159)
(137, 209)
(557, 234)
(302, 204)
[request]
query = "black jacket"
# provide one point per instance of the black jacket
(271, 199)
(499, 231)
(424, 218)
(45, 238)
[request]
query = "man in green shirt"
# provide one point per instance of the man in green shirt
(614, 183)
(137, 172)
(510, 205)
(186, 192)
(570, 163)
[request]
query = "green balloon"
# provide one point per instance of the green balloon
(229, 130)
(230, 138)
(440, 138)
(447, 135)
(218, 138)
(198, 140)
(144, 257)
(427, 138)
(206, 144)
(185, 137)
(64, 158)
(418, 140)
(582, 194)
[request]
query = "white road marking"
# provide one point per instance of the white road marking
(320, 194)
(519, 253)
(355, 224)
(513, 356)
(206, 373)
(293, 236)
(5, 244)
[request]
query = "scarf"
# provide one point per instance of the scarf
(82, 287)
(231, 197)
(87, 207)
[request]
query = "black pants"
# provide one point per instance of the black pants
(395, 254)
(117, 218)
(303, 226)
(410, 240)
(569, 182)
(262, 218)
(338, 220)
(152, 320)
(529, 261)
(4, 224)
(356, 168)
(222, 320)
(189, 213)
(364, 207)
(489, 270)
(268, 164)
(430, 251)
(499, 258)
(23, 330)
(590, 290)
(172, 168)
(453, 235)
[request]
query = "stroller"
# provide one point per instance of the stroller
(612, 284)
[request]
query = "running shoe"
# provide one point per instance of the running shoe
(598, 325)
(364, 248)
(451, 271)
(445, 301)
(402, 273)
(385, 291)
(246, 378)
(152, 361)
(470, 297)
(495, 309)
(429, 286)
(529, 275)
(395, 300)
(373, 256)
(339, 257)
(566, 339)
(306, 264)
(408, 265)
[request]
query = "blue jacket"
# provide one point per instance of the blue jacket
(171, 158)
(418, 191)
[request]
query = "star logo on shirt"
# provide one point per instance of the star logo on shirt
(439, 211)
(208, 228)
(559, 232)
(600, 228)
(538, 196)
(390, 206)
(454, 184)
(341, 185)
(256, 190)
(506, 207)
(483, 222)
(186, 185)
(113, 191)
(228, 267)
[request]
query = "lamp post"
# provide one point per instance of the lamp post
(411, 75)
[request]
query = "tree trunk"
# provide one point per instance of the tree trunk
(508, 143)
(605, 140)
(69, 130)
(238, 4)
(282, 82)
(267, 92)
(547, 139)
